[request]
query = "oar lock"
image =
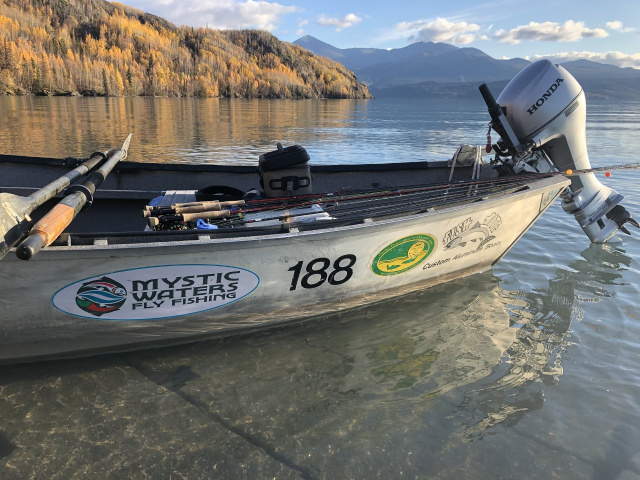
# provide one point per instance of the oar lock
(84, 190)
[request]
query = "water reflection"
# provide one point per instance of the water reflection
(374, 392)
(542, 319)
(223, 131)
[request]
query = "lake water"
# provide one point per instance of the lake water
(530, 370)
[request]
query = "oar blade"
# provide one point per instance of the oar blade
(14, 224)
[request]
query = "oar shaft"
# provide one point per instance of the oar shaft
(49, 227)
(98, 176)
(52, 189)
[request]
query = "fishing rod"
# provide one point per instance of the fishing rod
(174, 214)
(391, 207)
(191, 207)
(184, 214)
(344, 210)
(423, 187)
(353, 203)
(285, 202)
(626, 166)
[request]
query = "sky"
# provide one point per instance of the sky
(606, 31)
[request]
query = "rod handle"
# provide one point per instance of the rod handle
(181, 210)
(198, 208)
(189, 217)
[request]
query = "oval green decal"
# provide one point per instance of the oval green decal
(404, 254)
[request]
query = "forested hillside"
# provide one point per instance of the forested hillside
(93, 47)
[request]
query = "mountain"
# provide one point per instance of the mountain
(359, 58)
(440, 70)
(586, 69)
(459, 65)
(415, 63)
(94, 47)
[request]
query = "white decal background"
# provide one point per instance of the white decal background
(156, 292)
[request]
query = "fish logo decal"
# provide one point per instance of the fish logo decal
(404, 254)
(101, 296)
(476, 235)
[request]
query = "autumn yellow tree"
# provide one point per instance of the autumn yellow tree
(94, 47)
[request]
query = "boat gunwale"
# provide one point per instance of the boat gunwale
(530, 189)
(130, 166)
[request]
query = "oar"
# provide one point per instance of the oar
(15, 210)
(53, 223)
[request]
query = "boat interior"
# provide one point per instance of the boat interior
(137, 201)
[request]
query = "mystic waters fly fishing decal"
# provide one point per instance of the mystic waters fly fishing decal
(404, 254)
(155, 292)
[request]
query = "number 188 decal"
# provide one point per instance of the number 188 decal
(319, 270)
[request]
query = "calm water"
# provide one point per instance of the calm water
(530, 370)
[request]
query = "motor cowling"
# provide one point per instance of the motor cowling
(546, 109)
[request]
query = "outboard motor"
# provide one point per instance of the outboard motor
(541, 119)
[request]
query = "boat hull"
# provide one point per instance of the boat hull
(80, 300)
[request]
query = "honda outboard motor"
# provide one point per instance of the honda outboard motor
(541, 119)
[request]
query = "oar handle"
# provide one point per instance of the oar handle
(49, 227)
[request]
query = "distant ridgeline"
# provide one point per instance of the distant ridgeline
(93, 47)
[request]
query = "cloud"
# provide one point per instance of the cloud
(439, 30)
(219, 13)
(614, 25)
(569, 31)
(617, 25)
(612, 58)
(347, 21)
(301, 24)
